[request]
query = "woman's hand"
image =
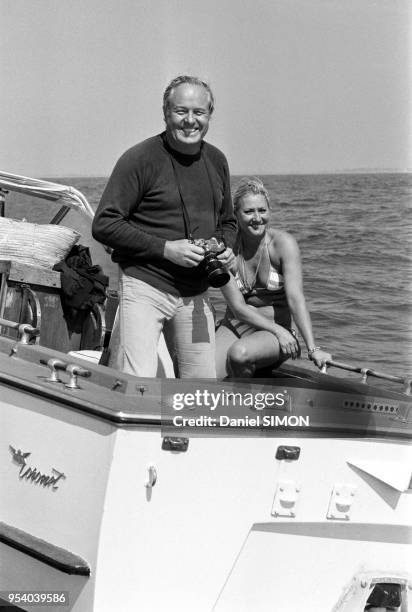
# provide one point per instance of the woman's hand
(319, 357)
(287, 342)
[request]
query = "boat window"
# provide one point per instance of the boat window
(385, 597)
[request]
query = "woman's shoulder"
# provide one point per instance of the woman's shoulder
(280, 240)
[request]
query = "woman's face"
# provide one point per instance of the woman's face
(252, 214)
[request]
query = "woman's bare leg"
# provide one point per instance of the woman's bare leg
(224, 340)
(248, 353)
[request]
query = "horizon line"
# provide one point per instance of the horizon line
(255, 173)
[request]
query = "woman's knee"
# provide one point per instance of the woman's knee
(238, 353)
(239, 360)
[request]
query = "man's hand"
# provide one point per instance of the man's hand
(183, 253)
(227, 258)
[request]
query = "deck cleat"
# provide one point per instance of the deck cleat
(74, 371)
(54, 366)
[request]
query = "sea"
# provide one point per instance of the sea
(355, 236)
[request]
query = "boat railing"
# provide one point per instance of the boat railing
(25, 331)
(47, 190)
(365, 372)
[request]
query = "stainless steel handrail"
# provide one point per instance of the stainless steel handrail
(26, 331)
(9, 324)
(407, 381)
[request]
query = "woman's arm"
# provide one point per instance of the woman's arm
(292, 273)
(249, 314)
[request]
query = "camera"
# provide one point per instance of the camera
(216, 274)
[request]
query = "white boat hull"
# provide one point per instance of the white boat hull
(213, 532)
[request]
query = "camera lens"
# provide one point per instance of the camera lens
(217, 276)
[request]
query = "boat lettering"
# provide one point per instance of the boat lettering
(34, 474)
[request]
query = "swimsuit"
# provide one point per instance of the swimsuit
(274, 281)
(271, 293)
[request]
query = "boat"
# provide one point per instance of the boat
(287, 492)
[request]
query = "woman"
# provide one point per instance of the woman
(264, 293)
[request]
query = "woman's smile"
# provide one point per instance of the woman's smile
(253, 214)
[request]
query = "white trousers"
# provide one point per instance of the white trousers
(188, 326)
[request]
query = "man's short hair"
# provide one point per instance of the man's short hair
(179, 80)
(249, 185)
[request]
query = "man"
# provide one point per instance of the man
(164, 193)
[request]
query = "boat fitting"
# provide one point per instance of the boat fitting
(27, 332)
(74, 371)
(178, 445)
(150, 483)
(54, 365)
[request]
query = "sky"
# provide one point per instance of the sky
(301, 86)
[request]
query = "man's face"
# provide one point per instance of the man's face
(187, 117)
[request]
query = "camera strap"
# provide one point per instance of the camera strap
(216, 207)
(216, 204)
(186, 219)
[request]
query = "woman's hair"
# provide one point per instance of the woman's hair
(192, 80)
(249, 185)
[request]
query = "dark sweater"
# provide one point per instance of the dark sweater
(141, 208)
